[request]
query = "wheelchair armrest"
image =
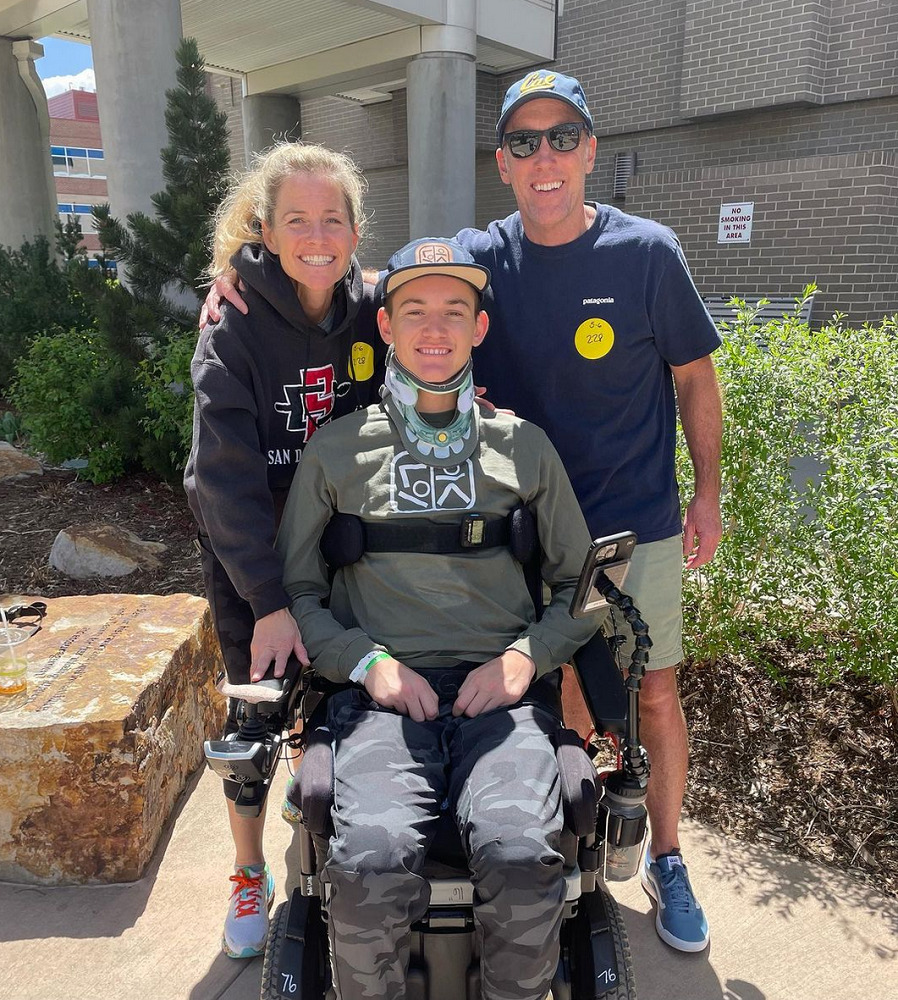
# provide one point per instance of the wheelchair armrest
(312, 791)
(602, 686)
(579, 786)
(271, 694)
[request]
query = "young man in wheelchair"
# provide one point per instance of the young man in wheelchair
(452, 696)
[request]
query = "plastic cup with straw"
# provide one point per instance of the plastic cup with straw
(13, 675)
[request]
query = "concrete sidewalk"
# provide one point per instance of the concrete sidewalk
(781, 929)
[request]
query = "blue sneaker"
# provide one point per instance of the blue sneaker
(246, 926)
(679, 918)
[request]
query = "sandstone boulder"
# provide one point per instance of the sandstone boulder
(96, 751)
(15, 464)
(86, 550)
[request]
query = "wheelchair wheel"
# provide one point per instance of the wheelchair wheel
(595, 959)
(296, 965)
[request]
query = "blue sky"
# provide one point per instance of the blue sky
(65, 65)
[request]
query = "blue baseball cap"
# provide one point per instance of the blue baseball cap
(432, 255)
(543, 83)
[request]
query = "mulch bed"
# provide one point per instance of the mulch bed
(810, 768)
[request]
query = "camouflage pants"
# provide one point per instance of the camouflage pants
(498, 775)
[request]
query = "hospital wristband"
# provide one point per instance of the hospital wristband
(360, 671)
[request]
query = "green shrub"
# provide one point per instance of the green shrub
(10, 427)
(806, 560)
(37, 296)
(74, 401)
(168, 390)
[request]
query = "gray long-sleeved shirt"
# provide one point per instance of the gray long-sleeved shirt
(431, 610)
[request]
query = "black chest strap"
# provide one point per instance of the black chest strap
(346, 538)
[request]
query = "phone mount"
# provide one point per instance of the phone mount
(622, 819)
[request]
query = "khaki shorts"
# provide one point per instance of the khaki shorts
(655, 582)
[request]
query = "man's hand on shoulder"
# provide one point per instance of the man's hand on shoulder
(225, 286)
(394, 685)
(485, 404)
(494, 684)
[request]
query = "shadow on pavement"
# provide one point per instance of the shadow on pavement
(662, 973)
(736, 989)
(222, 976)
(79, 911)
(765, 878)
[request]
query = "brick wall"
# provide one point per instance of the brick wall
(227, 93)
(627, 55)
(827, 219)
(862, 59)
(386, 205)
(374, 135)
(752, 137)
(752, 53)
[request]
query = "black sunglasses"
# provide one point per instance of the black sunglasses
(563, 138)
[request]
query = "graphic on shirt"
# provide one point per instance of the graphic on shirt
(416, 487)
(309, 402)
(361, 361)
(594, 338)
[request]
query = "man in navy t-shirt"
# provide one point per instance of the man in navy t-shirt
(597, 334)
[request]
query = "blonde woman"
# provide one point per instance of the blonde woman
(305, 353)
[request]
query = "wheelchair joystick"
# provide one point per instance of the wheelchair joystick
(248, 758)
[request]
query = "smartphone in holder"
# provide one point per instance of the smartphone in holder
(610, 555)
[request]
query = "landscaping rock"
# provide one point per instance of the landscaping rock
(98, 748)
(15, 464)
(86, 550)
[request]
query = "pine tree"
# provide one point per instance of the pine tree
(169, 253)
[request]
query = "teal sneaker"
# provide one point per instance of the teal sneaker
(246, 925)
(679, 918)
(289, 811)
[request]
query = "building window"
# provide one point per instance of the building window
(81, 214)
(77, 161)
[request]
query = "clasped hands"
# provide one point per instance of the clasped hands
(498, 682)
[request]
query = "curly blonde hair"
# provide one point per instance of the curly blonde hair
(252, 199)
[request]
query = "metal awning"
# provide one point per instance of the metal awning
(308, 48)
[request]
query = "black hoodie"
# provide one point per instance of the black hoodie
(264, 383)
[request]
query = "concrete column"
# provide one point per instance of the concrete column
(442, 92)
(267, 119)
(26, 175)
(133, 43)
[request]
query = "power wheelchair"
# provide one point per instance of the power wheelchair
(604, 830)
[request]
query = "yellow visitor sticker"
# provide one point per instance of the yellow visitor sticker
(594, 338)
(361, 361)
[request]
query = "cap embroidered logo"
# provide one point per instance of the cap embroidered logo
(433, 253)
(538, 81)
